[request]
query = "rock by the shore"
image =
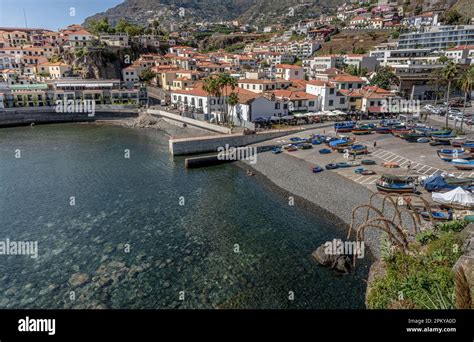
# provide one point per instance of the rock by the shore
(338, 262)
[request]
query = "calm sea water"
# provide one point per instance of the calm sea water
(128, 243)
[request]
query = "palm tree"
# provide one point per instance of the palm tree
(450, 71)
(437, 80)
(233, 100)
(467, 84)
(225, 81)
(212, 88)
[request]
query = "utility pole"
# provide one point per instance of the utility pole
(24, 15)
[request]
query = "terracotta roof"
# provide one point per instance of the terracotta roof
(288, 66)
(294, 95)
(347, 78)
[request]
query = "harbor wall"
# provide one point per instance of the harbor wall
(185, 146)
(189, 121)
(22, 117)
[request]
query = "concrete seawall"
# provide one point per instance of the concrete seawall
(189, 121)
(186, 146)
(24, 117)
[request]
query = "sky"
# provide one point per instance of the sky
(50, 14)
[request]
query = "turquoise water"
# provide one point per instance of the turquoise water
(135, 244)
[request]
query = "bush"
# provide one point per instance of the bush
(426, 236)
(454, 226)
(422, 277)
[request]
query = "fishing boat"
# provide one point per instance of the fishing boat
(331, 166)
(276, 150)
(463, 164)
(445, 133)
(325, 151)
(316, 142)
(383, 130)
(368, 162)
(398, 184)
(305, 146)
(341, 127)
(358, 149)
(317, 169)
(368, 172)
(362, 130)
(435, 215)
(339, 143)
(468, 145)
(449, 155)
(343, 165)
(458, 141)
(412, 137)
(400, 131)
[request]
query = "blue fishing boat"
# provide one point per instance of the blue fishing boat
(343, 165)
(463, 164)
(358, 149)
(316, 142)
(277, 149)
(383, 130)
(341, 127)
(317, 169)
(325, 151)
(435, 215)
(397, 184)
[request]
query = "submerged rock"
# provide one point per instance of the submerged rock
(78, 279)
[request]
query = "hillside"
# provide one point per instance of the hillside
(350, 41)
(259, 12)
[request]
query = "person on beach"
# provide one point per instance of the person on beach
(375, 144)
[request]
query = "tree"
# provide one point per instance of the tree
(467, 84)
(211, 87)
(100, 26)
(384, 78)
(453, 17)
(233, 100)
(443, 59)
(147, 75)
(225, 81)
(436, 80)
(449, 73)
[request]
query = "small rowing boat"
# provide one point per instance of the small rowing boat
(398, 184)
(463, 164)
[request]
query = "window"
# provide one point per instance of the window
(343, 86)
(331, 91)
(359, 85)
(200, 102)
(277, 106)
(372, 103)
(349, 86)
(331, 103)
(342, 100)
(311, 103)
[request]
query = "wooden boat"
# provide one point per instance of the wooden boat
(445, 133)
(397, 184)
(368, 172)
(305, 146)
(362, 130)
(449, 155)
(398, 132)
(463, 164)
(343, 165)
(316, 142)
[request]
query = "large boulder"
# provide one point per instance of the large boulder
(339, 262)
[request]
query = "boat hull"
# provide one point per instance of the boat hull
(397, 190)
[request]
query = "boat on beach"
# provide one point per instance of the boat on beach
(363, 129)
(344, 127)
(463, 164)
(449, 155)
(397, 184)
